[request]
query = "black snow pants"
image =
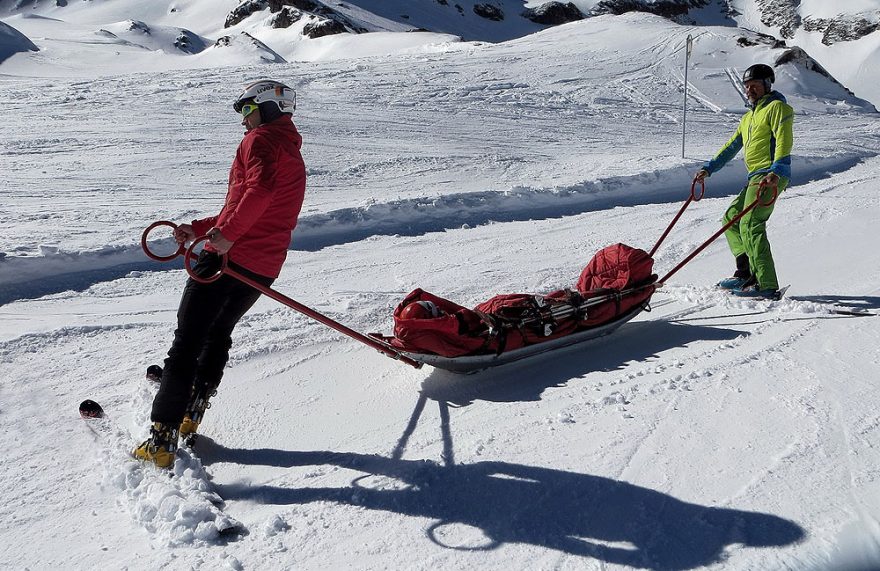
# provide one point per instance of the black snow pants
(205, 319)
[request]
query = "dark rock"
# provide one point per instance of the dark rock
(286, 17)
(554, 14)
(137, 26)
(665, 8)
(189, 42)
(243, 10)
(324, 28)
(289, 11)
(842, 29)
(268, 54)
(782, 14)
(765, 39)
(799, 57)
(489, 12)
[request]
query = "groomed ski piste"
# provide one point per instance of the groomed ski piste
(711, 432)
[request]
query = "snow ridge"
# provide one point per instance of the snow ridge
(33, 276)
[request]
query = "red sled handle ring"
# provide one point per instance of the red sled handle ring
(190, 253)
(694, 196)
(187, 253)
(150, 254)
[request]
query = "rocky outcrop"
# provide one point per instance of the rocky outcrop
(781, 14)
(765, 39)
(188, 42)
(286, 17)
(554, 14)
(843, 28)
(666, 8)
(138, 26)
(489, 11)
(799, 57)
(12, 42)
(322, 28)
(266, 53)
(327, 21)
(785, 16)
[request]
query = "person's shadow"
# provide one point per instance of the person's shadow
(577, 514)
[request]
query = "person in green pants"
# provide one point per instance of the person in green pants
(765, 135)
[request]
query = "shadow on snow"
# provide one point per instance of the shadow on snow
(574, 513)
(527, 379)
(578, 514)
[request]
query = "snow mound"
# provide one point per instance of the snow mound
(12, 42)
(148, 36)
(239, 49)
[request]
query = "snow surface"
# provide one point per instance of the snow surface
(710, 432)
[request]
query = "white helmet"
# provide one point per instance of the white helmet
(267, 90)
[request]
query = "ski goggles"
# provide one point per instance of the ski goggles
(248, 108)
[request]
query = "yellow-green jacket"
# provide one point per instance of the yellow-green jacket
(765, 134)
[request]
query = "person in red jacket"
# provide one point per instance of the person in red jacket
(253, 229)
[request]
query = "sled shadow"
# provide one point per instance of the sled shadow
(526, 380)
(488, 504)
(854, 301)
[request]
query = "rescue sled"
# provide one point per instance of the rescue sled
(468, 364)
(612, 289)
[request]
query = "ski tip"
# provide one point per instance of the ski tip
(154, 373)
(90, 409)
(782, 291)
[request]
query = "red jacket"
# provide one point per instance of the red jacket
(266, 187)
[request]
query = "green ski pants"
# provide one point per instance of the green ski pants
(749, 234)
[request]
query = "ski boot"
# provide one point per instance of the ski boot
(755, 292)
(741, 278)
(161, 447)
(732, 283)
(195, 412)
(737, 282)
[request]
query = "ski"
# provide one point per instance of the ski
(840, 309)
(178, 505)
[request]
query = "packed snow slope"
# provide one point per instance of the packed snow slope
(710, 432)
(122, 35)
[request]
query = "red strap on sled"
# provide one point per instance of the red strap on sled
(279, 297)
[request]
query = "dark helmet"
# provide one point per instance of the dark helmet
(761, 72)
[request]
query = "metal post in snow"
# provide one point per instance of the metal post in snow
(687, 57)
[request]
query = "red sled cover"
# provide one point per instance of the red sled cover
(457, 331)
(615, 268)
(506, 322)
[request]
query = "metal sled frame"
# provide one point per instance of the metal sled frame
(472, 363)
